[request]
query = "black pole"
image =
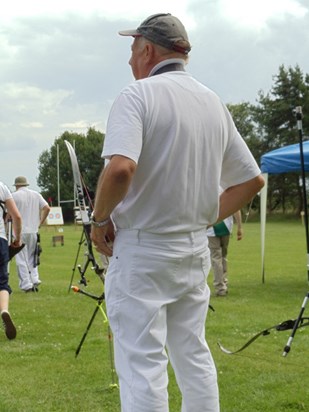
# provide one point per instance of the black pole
(297, 323)
(299, 117)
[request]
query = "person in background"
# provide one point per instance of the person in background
(170, 144)
(218, 242)
(34, 210)
(7, 205)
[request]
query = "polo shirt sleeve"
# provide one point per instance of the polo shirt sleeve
(5, 194)
(42, 201)
(124, 132)
(238, 164)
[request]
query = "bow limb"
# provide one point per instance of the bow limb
(288, 324)
(78, 185)
(263, 332)
(85, 216)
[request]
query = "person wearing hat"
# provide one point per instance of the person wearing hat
(170, 144)
(7, 206)
(34, 210)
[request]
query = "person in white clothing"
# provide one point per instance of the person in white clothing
(169, 144)
(34, 210)
(7, 206)
(218, 242)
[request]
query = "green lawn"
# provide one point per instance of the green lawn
(39, 370)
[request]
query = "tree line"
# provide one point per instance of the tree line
(268, 124)
(88, 150)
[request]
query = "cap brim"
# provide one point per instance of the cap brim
(129, 33)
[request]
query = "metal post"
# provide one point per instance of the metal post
(58, 175)
(299, 116)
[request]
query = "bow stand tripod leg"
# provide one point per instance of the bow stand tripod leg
(100, 300)
(82, 271)
(296, 326)
(76, 259)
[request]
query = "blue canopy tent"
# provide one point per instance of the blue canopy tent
(283, 160)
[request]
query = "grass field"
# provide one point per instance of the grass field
(39, 370)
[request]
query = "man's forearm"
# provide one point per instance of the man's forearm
(44, 213)
(236, 197)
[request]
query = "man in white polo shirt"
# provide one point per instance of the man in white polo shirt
(170, 144)
(34, 210)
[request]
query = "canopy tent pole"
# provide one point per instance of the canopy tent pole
(263, 205)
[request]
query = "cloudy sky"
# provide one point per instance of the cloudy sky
(62, 62)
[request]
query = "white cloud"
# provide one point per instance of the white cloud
(133, 10)
(32, 125)
(80, 124)
(255, 14)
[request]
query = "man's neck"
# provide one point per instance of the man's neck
(167, 65)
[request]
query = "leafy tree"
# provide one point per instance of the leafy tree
(276, 123)
(243, 116)
(88, 151)
(275, 111)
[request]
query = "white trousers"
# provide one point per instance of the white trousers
(157, 298)
(27, 273)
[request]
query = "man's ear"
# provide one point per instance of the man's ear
(149, 52)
